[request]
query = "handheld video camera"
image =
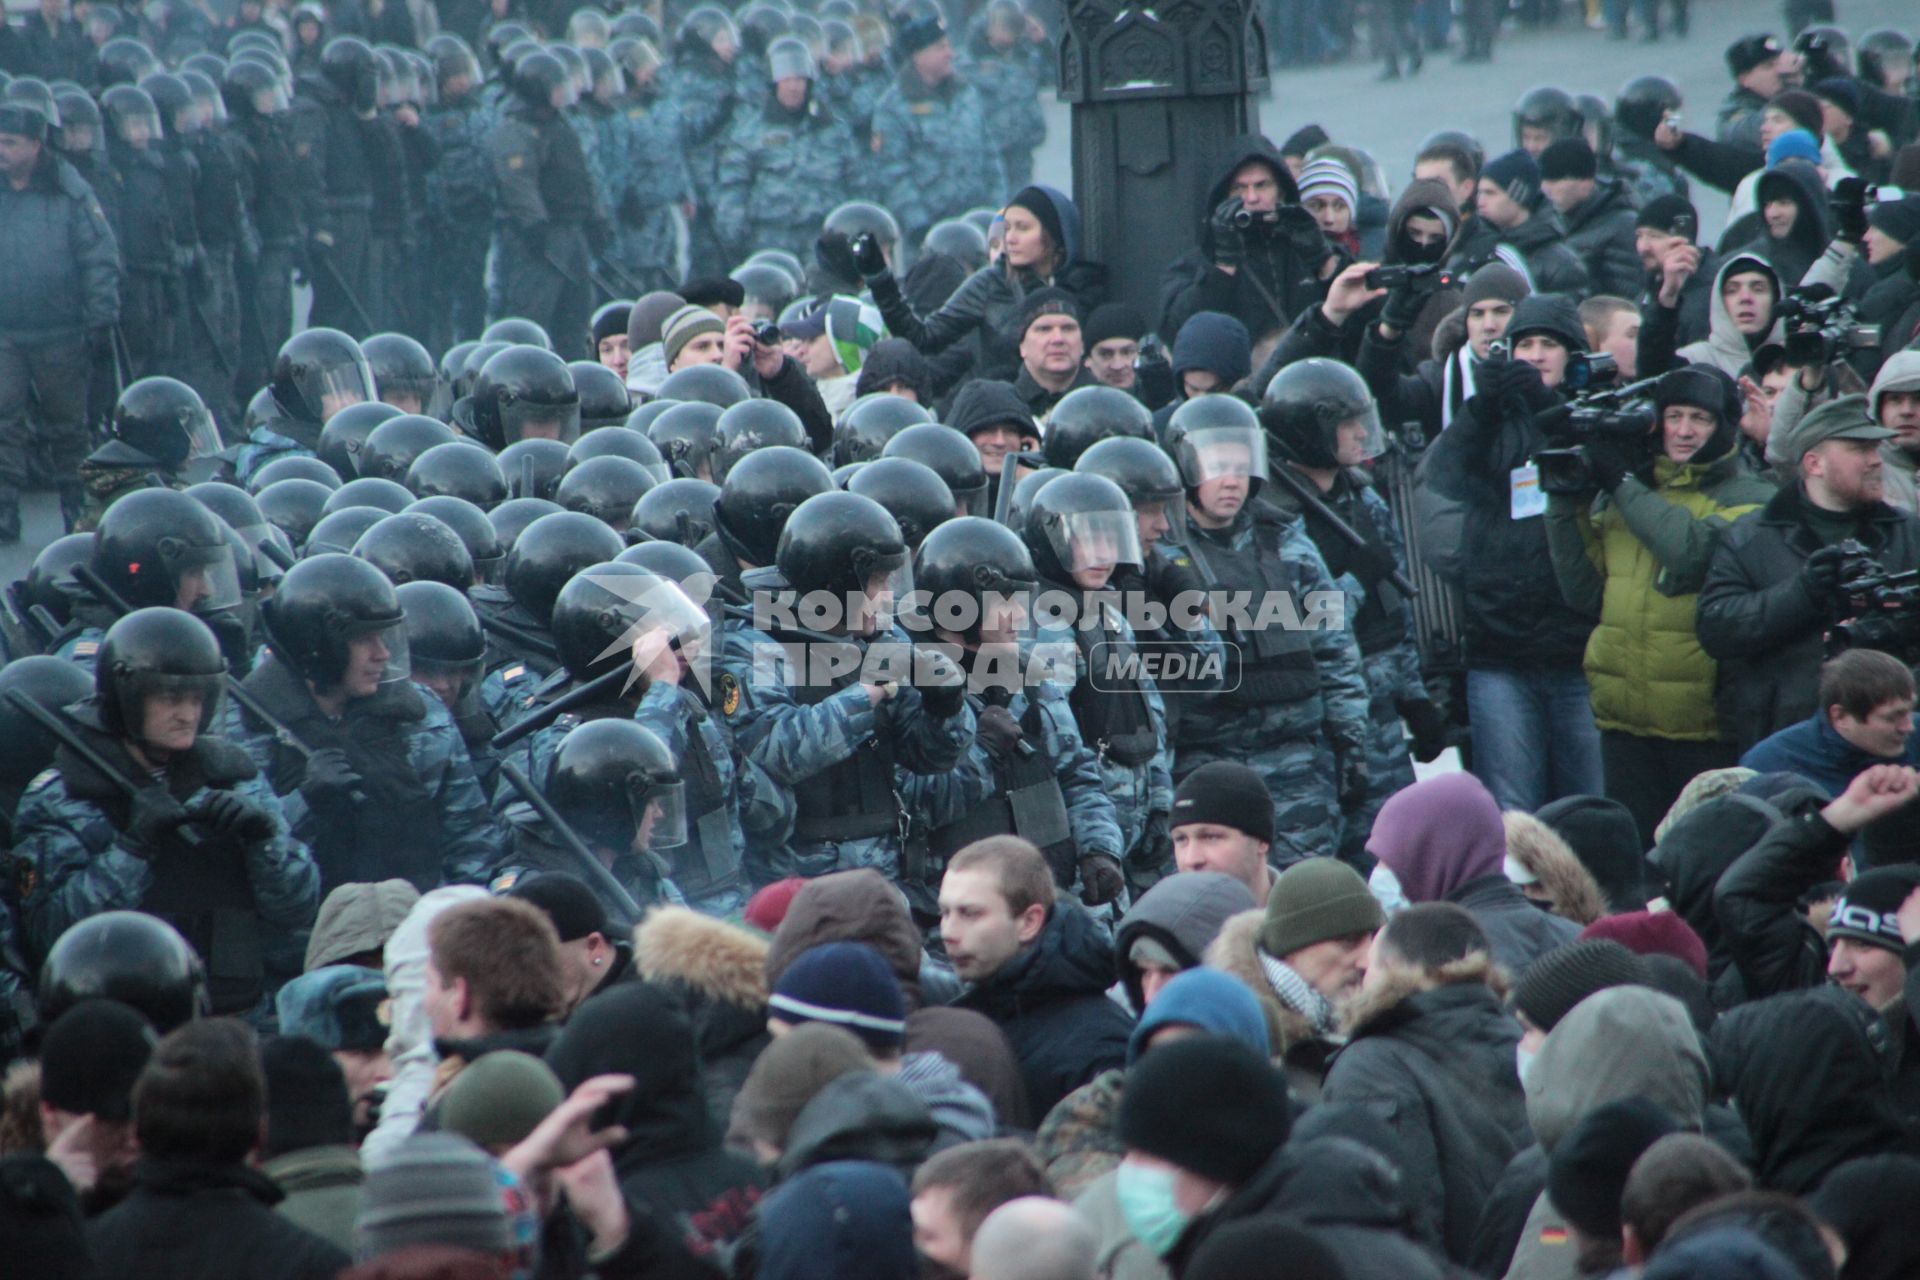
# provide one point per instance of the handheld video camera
(1822, 325)
(1880, 610)
(1621, 413)
(1428, 276)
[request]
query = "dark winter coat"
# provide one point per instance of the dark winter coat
(1601, 230)
(1051, 1002)
(1519, 932)
(1438, 1066)
(1759, 619)
(188, 1220)
(719, 971)
(1552, 264)
(63, 272)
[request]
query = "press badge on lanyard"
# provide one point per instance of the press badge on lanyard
(1524, 497)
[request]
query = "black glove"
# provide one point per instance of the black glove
(1304, 234)
(1428, 727)
(999, 732)
(329, 777)
(153, 816)
(231, 813)
(1350, 773)
(1504, 381)
(1101, 880)
(942, 685)
(1229, 242)
(834, 252)
(1610, 461)
(1403, 307)
(1155, 849)
(1371, 563)
(1821, 573)
(1850, 209)
(867, 257)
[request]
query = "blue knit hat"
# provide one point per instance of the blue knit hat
(1517, 174)
(844, 984)
(1210, 1000)
(1794, 144)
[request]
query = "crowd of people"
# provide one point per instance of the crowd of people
(719, 707)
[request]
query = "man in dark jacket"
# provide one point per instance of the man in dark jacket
(1036, 965)
(1599, 215)
(1514, 218)
(1264, 273)
(1865, 718)
(1774, 585)
(197, 1209)
(331, 119)
(61, 300)
(1663, 237)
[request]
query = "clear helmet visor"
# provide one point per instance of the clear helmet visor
(659, 814)
(1161, 518)
(203, 438)
(528, 420)
(378, 656)
(1354, 433)
(1087, 540)
(271, 101)
(1210, 453)
(658, 611)
(205, 579)
(886, 582)
(137, 128)
(972, 502)
(178, 698)
(327, 391)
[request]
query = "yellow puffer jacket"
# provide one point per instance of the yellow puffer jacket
(1636, 558)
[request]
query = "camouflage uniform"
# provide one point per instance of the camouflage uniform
(650, 232)
(460, 218)
(1289, 712)
(812, 742)
(948, 800)
(930, 161)
(702, 90)
(780, 174)
(267, 441)
(1009, 85)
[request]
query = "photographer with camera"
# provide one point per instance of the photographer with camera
(837, 338)
(1534, 738)
(1773, 587)
(1632, 531)
(695, 335)
(1261, 258)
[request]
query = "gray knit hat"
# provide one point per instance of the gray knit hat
(436, 1188)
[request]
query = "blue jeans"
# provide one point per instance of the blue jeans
(1534, 739)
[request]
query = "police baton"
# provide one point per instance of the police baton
(213, 339)
(59, 730)
(325, 263)
(1010, 480)
(519, 636)
(591, 868)
(1282, 474)
(539, 718)
(621, 278)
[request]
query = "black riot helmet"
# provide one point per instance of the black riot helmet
(1548, 108)
(542, 77)
(252, 90)
(392, 446)
(871, 421)
(338, 532)
(759, 497)
(1596, 118)
(517, 331)
(1026, 491)
(130, 957)
(205, 88)
(533, 468)
(505, 34)
(171, 97)
(1881, 51)
(641, 419)
(619, 442)
(971, 558)
(1827, 52)
(953, 457)
(1089, 414)
(26, 748)
(324, 604)
(768, 286)
(619, 787)
(241, 513)
(754, 424)
(843, 545)
(159, 547)
(1644, 102)
(856, 218)
(50, 582)
(452, 362)
(1320, 414)
(403, 372)
(459, 469)
(482, 541)
(350, 65)
(369, 491)
(416, 547)
(525, 393)
(605, 488)
(679, 511)
(165, 420)
(154, 652)
(604, 608)
(131, 115)
(918, 498)
(444, 638)
(478, 353)
(604, 400)
(550, 551)
(685, 435)
(125, 61)
(293, 466)
(786, 262)
(346, 432)
(1147, 475)
(33, 92)
(293, 506)
(957, 239)
(713, 384)
(1213, 435)
(1081, 523)
(511, 517)
(673, 562)
(318, 373)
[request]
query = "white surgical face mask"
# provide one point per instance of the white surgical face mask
(1386, 890)
(1523, 1063)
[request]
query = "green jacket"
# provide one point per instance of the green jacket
(1635, 558)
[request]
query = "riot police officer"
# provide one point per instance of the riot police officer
(369, 765)
(1029, 772)
(752, 510)
(403, 372)
(334, 113)
(283, 194)
(829, 722)
(525, 393)
(784, 162)
(317, 373)
(519, 613)
(459, 195)
(179, 823)
(1294, 701)
(160, 430)
(1324, 425)
(448, 650)
(157, 548)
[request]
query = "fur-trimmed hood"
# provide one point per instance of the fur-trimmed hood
(1375, 1010)
(1543, 852)
(1236, 952)
(708, 957)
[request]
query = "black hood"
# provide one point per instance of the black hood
(1240, 150)
(1070, 958)
(643, 1031)
(1698, 849)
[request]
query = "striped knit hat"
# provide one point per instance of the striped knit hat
(1328, 177)
(844, 984)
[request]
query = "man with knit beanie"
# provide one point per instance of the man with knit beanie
(1515, 227)
(1437, 390)
(1112, 336)
(1222, 820)
(1653, 933)
(1561, 979)
(1599, 213)
(1052, 350)
(1443, 840)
